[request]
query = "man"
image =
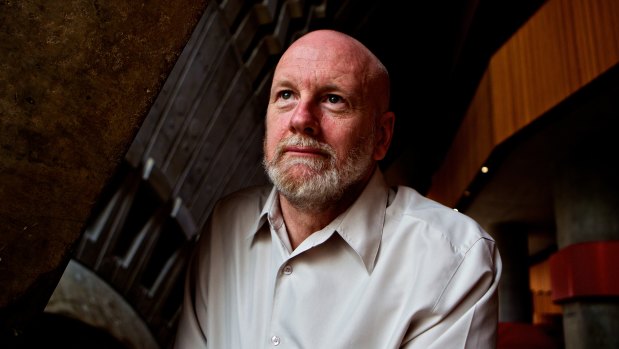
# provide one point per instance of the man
(331, 257)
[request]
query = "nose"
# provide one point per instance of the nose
(305, 120)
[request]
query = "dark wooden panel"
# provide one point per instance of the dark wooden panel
(564, 46)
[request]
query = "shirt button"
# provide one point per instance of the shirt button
(288, 270)
(275, 340)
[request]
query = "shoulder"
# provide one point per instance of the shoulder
(439, 246)
(414, 213)
(237, 214)
(246, 198)
(246, 203)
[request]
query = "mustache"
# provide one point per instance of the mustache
(303, 141)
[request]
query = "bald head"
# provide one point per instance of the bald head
(336, 50)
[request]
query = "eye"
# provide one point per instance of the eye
(285, 94)
(334, 99)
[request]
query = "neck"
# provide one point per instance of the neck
(302, 222)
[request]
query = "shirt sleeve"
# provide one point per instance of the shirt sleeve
(468, 306)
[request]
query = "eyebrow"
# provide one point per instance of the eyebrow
(281, 80)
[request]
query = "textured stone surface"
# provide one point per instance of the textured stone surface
(76, 79)
(81, 294)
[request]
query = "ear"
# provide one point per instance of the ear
(384, 134)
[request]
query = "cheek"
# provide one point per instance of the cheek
(271, 139)
(344, 138)
(267, 146)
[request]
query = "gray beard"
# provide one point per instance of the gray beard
(321, 183)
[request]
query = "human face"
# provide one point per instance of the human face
(320, 125)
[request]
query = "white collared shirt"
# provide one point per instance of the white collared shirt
(396, 270)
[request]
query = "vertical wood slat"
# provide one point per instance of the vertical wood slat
(254, 175)
(230, 9)
(246, 32)
(227, 154)
(563, 46)
(247, 157)
(188, 143)
(198, 75)
(146, 138)
(195, 112)
(223, 123)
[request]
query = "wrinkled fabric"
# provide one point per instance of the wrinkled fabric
(396, 270)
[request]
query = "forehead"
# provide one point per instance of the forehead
(310, 63)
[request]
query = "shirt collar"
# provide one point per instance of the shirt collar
(361, 225)
(271, 200)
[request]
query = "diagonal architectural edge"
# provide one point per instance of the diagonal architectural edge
(77, 79)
